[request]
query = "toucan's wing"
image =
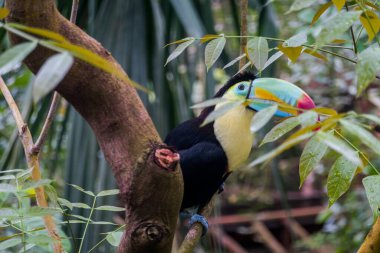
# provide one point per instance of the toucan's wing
(203, 167)
(189, 133)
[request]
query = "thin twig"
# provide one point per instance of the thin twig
(32, 161)
(352, 33)
(56, 97)
(195, 231)
(243, 30)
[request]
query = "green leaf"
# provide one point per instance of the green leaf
(371, 117)
(372, 189)
(308, 118)
(80, 217)
(284, 146)
(13, 56)
(110, 208)
(82, 190)
(8, 213)
(213, 50)
(39, 239)
(179, 49)
(366, 137)
(114, 238)
(296, 40)
(10, 243)
(340, 178)
(262, 117)
(7, 188)
(248, 64)
(221, 110)
(299, 5)
(66, 203)
(367, 67)
(10, 171)
(209, 102)
(108, 192)
(336, 26)
(34, 184)
(36, 211)
(313, 152)
(51, 74)
(280, 129)
(258, 49)
(272, 59)
(8, 177)
(234, 61)
(340, 146)
(81, 205)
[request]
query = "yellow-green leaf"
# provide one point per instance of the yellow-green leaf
(291, 52)
(40, 32)
(262, 117)
(371, 23)
(97, 61)
(315, 54)
(372, 5)
(340, 178)
(208, 37)
(4, 12)
(213, 50)
(179, 49)
(320, 11)
(372, 189)
(313, 152)
(339, 4)
(325, 111)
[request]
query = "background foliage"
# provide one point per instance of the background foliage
(71, 154)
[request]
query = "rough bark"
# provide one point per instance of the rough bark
(123, 128)
(371, 243)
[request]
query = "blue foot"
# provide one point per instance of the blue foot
(221, 188)
(201, 219)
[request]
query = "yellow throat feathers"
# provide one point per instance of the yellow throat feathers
(232, 130)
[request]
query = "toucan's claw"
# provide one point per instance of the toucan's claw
(221, 188)
(202, 220)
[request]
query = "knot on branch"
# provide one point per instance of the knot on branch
(151, 234)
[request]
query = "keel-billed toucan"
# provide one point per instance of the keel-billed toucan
(208, 154)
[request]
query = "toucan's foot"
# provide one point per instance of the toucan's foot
(221, 188)
(201, 219)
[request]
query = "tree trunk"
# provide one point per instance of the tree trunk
(146, 171)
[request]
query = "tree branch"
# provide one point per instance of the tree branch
(371, 243)
(243, 30)
(195, 231)
(32, 161)
(123, 128)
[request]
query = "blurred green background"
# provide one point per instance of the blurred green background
(135, 32)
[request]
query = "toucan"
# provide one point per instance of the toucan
(209, 153)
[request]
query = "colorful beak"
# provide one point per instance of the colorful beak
(265, 91)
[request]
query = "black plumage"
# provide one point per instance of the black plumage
(203, 161)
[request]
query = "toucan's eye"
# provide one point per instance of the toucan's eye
(241, 87)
